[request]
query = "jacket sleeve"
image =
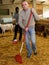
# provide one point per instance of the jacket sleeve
(36, 16)
(20, 21)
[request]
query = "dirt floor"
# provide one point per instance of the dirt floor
(9, 50)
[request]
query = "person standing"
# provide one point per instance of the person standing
(17, 27)
(30, 30)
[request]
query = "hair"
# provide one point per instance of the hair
(23, 0)
(17, 9)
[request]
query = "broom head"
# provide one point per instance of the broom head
(18, 58)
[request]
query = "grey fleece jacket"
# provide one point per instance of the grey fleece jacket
(24, 16)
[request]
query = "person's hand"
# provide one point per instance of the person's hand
(26, 29)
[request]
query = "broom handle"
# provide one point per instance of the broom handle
(22, 44)
(21, 47)
(24, 34)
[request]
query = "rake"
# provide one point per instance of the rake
(18, 57)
